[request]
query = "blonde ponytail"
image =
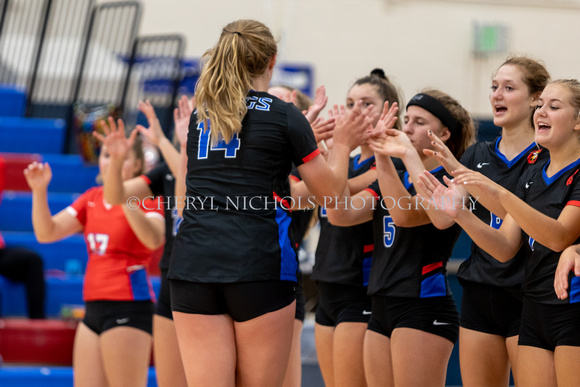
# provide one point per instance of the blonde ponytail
(243, 52)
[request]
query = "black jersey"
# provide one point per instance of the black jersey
(236, 219)
(485, 157)
(344, 254)
(409, 261)
(162, 183)
(300, 218)
(549, 195)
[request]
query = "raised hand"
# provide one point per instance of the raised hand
(38, 176)
(467, 177)
(118, 146)
(323, 129)
(448, 199)
(569, 261)
(442, 153)
(154, 133)
(352, 128)
(387, 141)
(320, 101)
(181, 116)
(387, 119)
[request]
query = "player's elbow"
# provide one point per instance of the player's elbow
(443, 224)
(339, 218)
(154, 242)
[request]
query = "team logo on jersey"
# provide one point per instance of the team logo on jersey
(571, 178)
(533, 156)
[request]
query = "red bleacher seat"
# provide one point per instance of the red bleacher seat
(15, 165)
(37, 341)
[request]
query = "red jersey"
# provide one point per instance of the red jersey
(118, 264)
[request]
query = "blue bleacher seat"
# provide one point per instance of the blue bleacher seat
(32, 135)
(16, 208)
(56, 256)
(70, 173)
(61, 290)
(25, 376)
(12, 101)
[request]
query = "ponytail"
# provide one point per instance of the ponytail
(243, 52)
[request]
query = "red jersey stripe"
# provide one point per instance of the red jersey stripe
(147, 180)
(376, 195)
(368, 248)
(311, 156)
(431, 267)
(573, 203)
(284, 202)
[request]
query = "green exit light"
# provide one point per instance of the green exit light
(489, 38)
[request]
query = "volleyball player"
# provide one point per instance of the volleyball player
(544, 216)
(343, 260)
(492, 302)
(414, 321)
(159, 182)
(233, 268)
(301, 222)
(113, 342)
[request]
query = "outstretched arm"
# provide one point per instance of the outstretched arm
(47, 228)
(118, 147)
(502, 244)
(353, 210)
(148, 227)
(387, 142)
(555, 234)
(451, 164)
(327, 180)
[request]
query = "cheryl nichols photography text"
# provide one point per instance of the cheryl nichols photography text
(265, 203)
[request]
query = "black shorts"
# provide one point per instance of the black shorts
(547, 326)
(163, 306)
(490, 309)
(300, 303)
(436, 315)
(243, 301)
(338, 303)
(101, 316)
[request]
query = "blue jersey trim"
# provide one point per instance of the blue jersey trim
(366, 270)
(140, 285)
(408, 183)
(434, 286)
(575, 290)
(288, 263)
(511, 162)
(550, 180)
(358, 165)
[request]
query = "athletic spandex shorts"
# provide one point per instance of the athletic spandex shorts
(101, 316)
(548, 326)
(490, 309)
(243, 301)
(436, 315)
(339, 303)
(163, 305)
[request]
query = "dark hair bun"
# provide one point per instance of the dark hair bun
(379, 73)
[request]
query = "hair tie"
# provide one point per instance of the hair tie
(237, 33)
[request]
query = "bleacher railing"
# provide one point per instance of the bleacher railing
(155, 75)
